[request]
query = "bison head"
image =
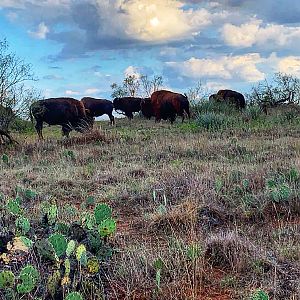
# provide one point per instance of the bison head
(116, 103)
(146, 108)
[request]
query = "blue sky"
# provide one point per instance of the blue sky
(79, 48)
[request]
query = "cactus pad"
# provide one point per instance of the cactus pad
(13, 206)
(29, 277)
(81, 255)
(74, 296)
(46, 250)
(7, 279)
(102, 212)
(59, 243)
(22, 225)
(107, 227)
(70, 248)
(93, 265)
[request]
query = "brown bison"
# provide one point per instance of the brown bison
(97, 108)
(229, 96)
(67, 112)
(127, 105)
(166, 105)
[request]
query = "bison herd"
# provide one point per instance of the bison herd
(72, 114)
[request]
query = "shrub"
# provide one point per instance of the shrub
(213, 121)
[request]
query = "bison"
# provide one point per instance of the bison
(229, 96)
(166, 105)
(146, 108)
(97, 108)
(67, 112)
(128, 105)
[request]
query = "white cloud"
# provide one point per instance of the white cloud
(254, 33)
(91, 91)
(242, 67)
(41, 31)
(132, 71)
(152, 20)
(289, 65)
(71, 93)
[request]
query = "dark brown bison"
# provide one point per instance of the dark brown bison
(146, 108)
(167, 105)
(229, 96)
(97, 108)
(127, 105)
(67, 112)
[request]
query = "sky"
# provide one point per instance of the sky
(79, 48)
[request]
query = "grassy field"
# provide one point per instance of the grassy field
(204, 211)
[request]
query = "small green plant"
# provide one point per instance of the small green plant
(29, 194)
(294, 175)
(7, 279)
(5, 159)
(53, 282)
(102, 212)
(74, 296)
(90, 201)
(28, 277)
(158, 265)
(259, 295)
(194, 251)
(22, 225)
(13, 206)
(107, 227)
(69, 154)
(70, 248)
(59, 243)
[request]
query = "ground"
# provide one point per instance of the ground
(220, 208)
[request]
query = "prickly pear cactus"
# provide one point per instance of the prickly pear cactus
(74, 296)
(13, 206)
(52, 213)
(70, 248)
(89, 221)
(59, 243)
(81, 255)
(67, 265)
(46, 250)
(23, 225)
(107, 227)
(29, 194)
(102, 212)
(53, 282)
(62, 228)
(28, 277)
(93, 265)
(7, 279)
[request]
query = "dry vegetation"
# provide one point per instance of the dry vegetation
(219, 208)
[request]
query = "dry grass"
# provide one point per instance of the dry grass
(175, 191)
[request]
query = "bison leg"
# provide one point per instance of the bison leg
(129, 115)
(112, 119)
(39, 129)
(66, 131)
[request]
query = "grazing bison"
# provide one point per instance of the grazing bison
(146, 108)
(167, 105)
(229, 96)
(97, 108)
(67, 112)
(128, 105)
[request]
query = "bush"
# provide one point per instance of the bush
(213, 121)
